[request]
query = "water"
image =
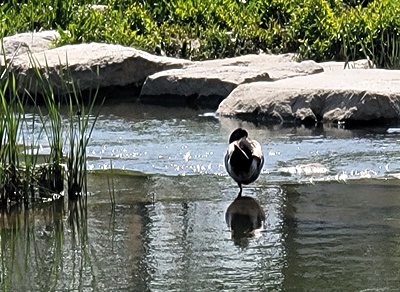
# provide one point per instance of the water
(330, 196)
(189, 143)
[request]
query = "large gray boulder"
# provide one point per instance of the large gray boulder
(357, 95)
(88, 66)
(207, 83)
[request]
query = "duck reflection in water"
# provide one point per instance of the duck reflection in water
(244, 217)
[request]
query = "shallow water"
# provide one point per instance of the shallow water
(330, 196)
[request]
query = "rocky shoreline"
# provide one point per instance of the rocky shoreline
(263, 88)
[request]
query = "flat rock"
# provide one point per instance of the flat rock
(278, 66)
(90, 65)
(270, 88)
(28, 42)
(207, 83)
(357, 95)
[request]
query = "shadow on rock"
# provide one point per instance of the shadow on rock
(244, 217)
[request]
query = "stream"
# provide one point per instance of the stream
(330, 196)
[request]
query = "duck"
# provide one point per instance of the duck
(244, 158)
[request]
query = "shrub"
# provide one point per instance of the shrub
(313, 29)
(372, 32)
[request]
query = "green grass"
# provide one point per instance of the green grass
(314, 29)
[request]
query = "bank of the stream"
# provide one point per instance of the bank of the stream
(314, 29)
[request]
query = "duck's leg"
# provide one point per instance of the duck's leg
(240, 192)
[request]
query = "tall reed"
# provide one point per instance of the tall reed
(75, 132)
(52, 123)
(21, 176)
(81, 125)
(11, 115)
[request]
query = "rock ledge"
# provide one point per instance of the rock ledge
(267, 88)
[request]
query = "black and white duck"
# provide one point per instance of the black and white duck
(244, 159)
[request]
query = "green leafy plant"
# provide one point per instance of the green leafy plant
(193, 29)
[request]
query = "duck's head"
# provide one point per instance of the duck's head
(237, 135)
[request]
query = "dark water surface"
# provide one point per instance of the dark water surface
(330, 196)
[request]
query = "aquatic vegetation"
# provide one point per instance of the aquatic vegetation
(16, 172)
(22, 177)
(81, 124)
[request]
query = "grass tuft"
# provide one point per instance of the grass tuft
(22, 177)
